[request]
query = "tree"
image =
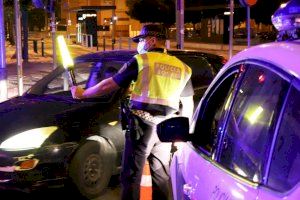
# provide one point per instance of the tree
(27, 9)
(9, 8)
(161, 11)
(164, 10)
(36, 18)
(9, 24)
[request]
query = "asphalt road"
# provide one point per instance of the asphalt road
(111, 193)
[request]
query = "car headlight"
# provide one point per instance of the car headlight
(29, 139)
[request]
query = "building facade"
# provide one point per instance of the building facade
(106, 17)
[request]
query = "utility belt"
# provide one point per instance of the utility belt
(154, 119)
(130, 119)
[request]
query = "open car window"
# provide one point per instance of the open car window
(102, 70)
(211, 117)
(61, 81)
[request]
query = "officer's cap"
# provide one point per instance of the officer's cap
(154, 30)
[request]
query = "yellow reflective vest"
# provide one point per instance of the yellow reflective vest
(161, 79)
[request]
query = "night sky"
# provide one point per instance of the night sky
(261, 11)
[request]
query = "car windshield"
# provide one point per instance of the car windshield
(57, 80)
(87, 74)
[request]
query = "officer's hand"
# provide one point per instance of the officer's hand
(77, 92)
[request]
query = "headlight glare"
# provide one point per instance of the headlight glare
(29, 139)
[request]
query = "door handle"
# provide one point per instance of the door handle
(188, 190)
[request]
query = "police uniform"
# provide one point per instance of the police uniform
(151, 102)
(159, 81)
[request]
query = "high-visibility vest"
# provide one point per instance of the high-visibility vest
(161, 79)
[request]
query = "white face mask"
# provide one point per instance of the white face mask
(145, 45)
(141, 48)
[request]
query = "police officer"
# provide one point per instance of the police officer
(159, 83)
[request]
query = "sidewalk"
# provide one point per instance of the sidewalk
(36, 67)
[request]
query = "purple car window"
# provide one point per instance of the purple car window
(250, 124)
(208, 122)
(284, 172)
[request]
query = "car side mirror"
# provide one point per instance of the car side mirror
(174, 130)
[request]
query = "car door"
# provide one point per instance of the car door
(233, 133)
(249, 131)
(201, 174)
(283, 176)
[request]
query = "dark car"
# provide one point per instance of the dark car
(240, 33)
(50, 139)
(268, 36)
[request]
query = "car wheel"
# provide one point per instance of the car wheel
(89, 170)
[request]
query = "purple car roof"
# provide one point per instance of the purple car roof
(285, 55)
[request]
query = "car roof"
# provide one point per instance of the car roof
(282, 54)
(106, 55)
(127, 54)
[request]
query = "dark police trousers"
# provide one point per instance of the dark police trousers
(145, 145)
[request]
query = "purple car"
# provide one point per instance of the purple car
(244, 141)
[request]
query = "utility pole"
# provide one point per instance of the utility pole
(3, 70)
(248, 4)
(53, 32)
(248, 27)
(18, 46)
(231, 28)
(180, 24)
(113, 31)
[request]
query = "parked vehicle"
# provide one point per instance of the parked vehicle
(269, 36)
(241, 33)
(50, 139)
(244, 141)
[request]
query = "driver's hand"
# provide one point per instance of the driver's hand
(77, 92)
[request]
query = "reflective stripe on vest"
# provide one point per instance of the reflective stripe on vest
(161, 79)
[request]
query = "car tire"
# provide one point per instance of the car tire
(90, 170)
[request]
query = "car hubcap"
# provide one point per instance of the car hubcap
(92, 170)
